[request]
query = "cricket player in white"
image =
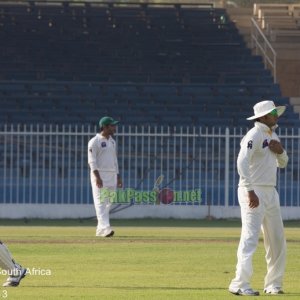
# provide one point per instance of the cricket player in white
(102, 159)
(260, 154)
(15, 271)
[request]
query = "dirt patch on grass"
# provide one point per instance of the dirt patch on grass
(120, 240)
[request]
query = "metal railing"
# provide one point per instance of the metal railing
(262, 46)
(48, 164)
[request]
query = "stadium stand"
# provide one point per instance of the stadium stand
(70, 62)
(142, 63)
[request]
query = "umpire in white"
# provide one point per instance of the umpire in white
(102, 159)
(260, 154)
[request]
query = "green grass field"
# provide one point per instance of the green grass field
(146, 259)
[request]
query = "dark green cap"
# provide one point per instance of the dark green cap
(107, 121)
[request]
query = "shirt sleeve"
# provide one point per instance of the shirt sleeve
(92, 155)
(116, 160)
(282, 159)
(117, 166)
(248, 146)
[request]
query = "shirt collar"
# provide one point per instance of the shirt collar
(264, 127)
(103, 137)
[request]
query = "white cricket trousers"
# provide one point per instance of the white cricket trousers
(103, 199)
(265, 217)
(6, 261)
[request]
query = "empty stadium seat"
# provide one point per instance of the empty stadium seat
(63, 61)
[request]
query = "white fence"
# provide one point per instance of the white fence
(44, 171)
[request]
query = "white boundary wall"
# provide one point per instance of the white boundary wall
(62, 211)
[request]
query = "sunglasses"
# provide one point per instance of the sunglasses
(274, 112)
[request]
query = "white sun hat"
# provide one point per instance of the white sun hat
(264, 107)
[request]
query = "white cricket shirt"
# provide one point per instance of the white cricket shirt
(102, 154)
(256, 163)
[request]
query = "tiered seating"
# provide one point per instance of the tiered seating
(144, 64)
(135, 104)
(139, 43)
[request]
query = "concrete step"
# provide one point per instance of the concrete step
(288, 53)
(295, 101)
